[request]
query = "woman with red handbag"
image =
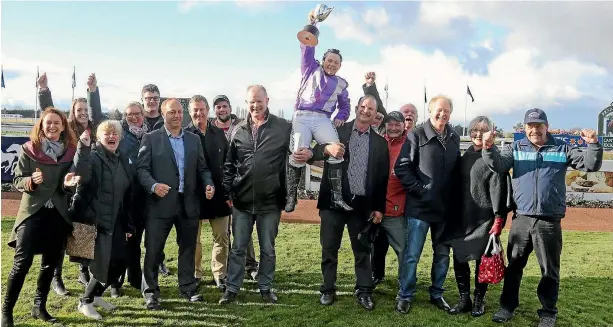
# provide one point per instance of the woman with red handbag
(484, 201)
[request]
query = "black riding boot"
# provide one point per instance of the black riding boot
(479, 306)
(335, 175)
(13, 288)
(462, 277)
(293, 179)
(39, 311)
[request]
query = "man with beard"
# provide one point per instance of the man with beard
(365, 175)
(172, 168)
(227, 121)
(150, 95)
(426, 167)
(216, 211)
(321, 92)
(539, 162)
(256, 189)
(381, 244)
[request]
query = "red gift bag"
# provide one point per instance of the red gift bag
(491, 270)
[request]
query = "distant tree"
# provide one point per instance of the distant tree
(115, 114)
(518, 126)
(459, 129)
(499, 131)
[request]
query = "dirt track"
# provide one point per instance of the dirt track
(579, 219)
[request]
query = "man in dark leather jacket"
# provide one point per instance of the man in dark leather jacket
(254, 180)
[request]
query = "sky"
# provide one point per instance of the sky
(513, 55)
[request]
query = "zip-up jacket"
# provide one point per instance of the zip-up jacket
(539, 188)
(320, 92)
(254, 172)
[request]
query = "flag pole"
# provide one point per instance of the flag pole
(425, 99)
(36, 94)
(465, 106)
(74, 70)
(387, 79)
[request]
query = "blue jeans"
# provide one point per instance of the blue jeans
(267, 225)
(416, 237)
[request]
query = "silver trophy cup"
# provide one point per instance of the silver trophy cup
(309, 35)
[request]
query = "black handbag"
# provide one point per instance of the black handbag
(369, 233)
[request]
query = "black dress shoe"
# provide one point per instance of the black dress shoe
(83, 277)
(378, 280)
(327, 298)
(269, 296)
(116, 292)
(366, 302)
(502, 315)
(192, 296)
(440, 303)
(57, 284)
(227, 297)
(403, 306)
(42, 314)
(153, 304)
(164, 270)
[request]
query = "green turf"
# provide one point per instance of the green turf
(586, 291)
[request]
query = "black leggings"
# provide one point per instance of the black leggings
(43, 233)
(462, 276)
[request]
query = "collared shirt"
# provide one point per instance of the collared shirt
(255, 131)
(442, 137)
(359, 146)
(176, 142)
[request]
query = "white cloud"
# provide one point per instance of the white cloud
(376, 17)
(187, 6)
(341, 21)
(440, 13)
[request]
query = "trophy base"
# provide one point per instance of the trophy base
(309, 36)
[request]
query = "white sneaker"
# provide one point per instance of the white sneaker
(89, 311)
(100, 302)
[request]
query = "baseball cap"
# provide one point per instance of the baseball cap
(395, 115)
(535, 115)
(221, 98)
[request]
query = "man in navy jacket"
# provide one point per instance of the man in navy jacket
(539, 163)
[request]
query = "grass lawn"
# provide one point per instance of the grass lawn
(585, 297)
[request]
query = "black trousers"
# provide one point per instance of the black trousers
(44, 232)
(95, 288)
(132, 261)
(331, 234)
(156, 233)
(545, 238)
(377, 258)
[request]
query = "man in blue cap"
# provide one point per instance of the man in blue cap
(539, 163)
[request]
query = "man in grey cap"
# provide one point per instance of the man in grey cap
(539, 163)
(227, 121)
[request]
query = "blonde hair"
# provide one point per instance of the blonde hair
(440, 97)
(109, 126)
(134, 104)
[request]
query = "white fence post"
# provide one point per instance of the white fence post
(307, 178)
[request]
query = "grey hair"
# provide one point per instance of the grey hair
(368, 96)
(198, 98)
(257, 87)
(109, 126)
(440, 97)
(480, 120)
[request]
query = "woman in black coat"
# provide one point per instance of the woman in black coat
(484, 199)
(107, 193)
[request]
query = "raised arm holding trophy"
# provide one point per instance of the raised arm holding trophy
(321, 92)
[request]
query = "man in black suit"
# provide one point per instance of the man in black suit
(364, 183)
(173, 199)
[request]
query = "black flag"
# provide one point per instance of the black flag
(469, 93)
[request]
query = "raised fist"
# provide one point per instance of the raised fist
(370, 78)
(42, 81)
(92, 83)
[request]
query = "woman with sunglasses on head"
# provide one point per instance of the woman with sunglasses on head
(484, 198)
(84, 115)
(43, 223)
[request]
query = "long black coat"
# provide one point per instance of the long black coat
(215, 146)
(429, 172)
(101, 194)
(377, 173)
